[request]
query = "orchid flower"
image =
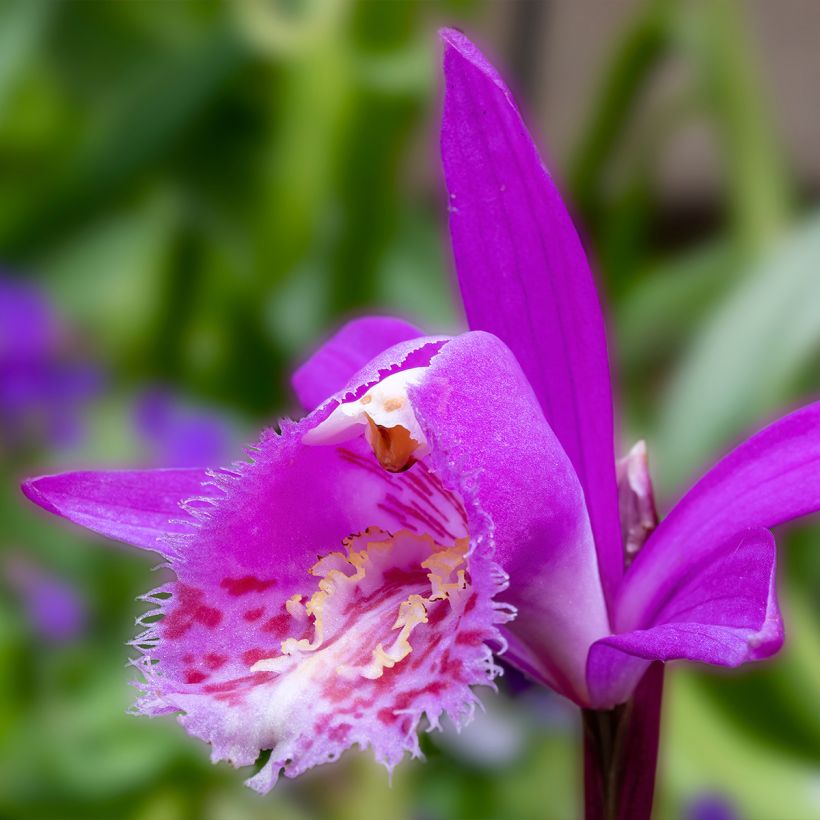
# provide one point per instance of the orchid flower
(445, 499)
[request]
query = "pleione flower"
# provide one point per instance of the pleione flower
(445, 499)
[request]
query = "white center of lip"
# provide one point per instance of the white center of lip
(386, 405)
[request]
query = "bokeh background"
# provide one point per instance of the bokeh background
(192, 194)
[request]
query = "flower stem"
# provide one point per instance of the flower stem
(621, 751)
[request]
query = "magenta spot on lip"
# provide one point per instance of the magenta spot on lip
(189, 610)
(242, 683)
(194, 676)
(213, 660)
(386, 716)
(472, 638)
(246, 584)
(339, 733)
(252, 656)
(278, 624)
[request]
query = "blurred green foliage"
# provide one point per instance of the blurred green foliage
(207, 189)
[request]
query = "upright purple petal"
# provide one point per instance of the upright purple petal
(771, 478)
(139, 507)
(524, 277)
(723, 611)
(351, 348)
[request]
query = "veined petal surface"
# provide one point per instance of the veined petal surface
(139, 507)
(486, 426)
(524, 277)
(723, 611)
(771, 478)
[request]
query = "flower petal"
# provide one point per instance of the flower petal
(487, 434)
(139, 507)
(723, 611)
(353, 346)
(771, 478)
(525, 278)
(264, 647)
(253, 670)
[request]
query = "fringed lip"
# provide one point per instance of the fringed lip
(246, 647)
(429, 667)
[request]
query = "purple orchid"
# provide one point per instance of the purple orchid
(468, 480)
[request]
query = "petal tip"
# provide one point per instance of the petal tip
(33, 490)
(459, 44)
(452, 36)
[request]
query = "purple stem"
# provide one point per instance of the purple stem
(621, 744)
(621, 753)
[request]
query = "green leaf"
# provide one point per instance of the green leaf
(714, 40)
(149, 116)
(109, 279)
(22, 23)
(743, 365)
(702, 752)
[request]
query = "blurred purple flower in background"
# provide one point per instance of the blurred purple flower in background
(445, 466)
(55, 610)
(42, 384)
(711, 807)
(176, 435)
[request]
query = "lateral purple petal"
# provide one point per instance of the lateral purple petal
(524, 277)
(771, 478)
(351, 348)
(139, 507)
(723, 612)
